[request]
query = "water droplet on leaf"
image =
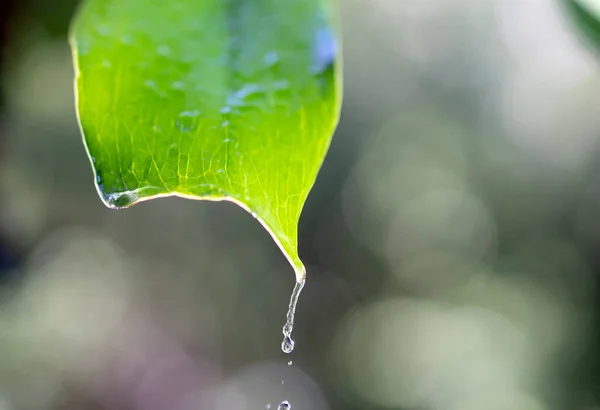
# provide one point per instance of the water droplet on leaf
(282, 84)
(325, 51)
(238, 98)
(187, 120)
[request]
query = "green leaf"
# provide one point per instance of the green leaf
(586, 14)
(231, 100)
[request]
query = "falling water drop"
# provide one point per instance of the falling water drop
(287, 345)
(284, 405)
(290, 363)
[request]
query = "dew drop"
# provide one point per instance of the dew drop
(284, 405)
(287, 345)
(187, 120)
(325, 51)
(290, 363)
(238, 97)
(248, 89)
(282, 84)
(271, 58)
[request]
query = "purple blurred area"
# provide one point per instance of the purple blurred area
(451, 240)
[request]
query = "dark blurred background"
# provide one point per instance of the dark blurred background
(452, 239)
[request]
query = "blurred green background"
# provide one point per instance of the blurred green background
(452, 239)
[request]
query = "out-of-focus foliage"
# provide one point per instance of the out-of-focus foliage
(586, 14)
(451, 238)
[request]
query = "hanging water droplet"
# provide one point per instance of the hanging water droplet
(284, 405)
(120, 199)
(287, 345)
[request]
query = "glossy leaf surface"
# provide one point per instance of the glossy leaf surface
(214, 99)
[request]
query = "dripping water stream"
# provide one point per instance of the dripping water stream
(287, 345)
